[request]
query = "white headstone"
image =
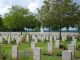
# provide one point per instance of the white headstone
(27, 38)
(71, 47)
(73, 37)
(66, 55)
(9, 39)
(39, 37)
(57, 43)
(32, 37)
(17, 41)
(41, 29)
(33, 45)
(36, 39)
(54, 37)
(64, 37)
(12, 38)
(37, 54)
(42, 38)
(50, 49)
(47, 37)
(50, 38)
(1, 39)
(15, 52)
(74, 42)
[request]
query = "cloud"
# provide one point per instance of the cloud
(4, 10)
(4, 7)
(31, 4)
(77, 1)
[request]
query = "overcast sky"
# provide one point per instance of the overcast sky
(31, 4)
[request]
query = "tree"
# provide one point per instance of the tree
(14, 20)
(54, 13)
(70, 20)
(18, 18)
(78, 19)
(32, 22)
(1, 23)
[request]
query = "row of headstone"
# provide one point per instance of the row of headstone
(70, 53)
(50, 37)
(36, 52)
(10, 38)
(35, 37)
(66, 54)
(17, 37)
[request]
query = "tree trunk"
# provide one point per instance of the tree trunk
(49, 29)
(67, 29)
(60, 24)
(21, 32)
(60, 34)
(78, 28)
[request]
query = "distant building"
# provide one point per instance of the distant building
(63, 29)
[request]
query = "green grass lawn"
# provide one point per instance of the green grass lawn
(25, 52)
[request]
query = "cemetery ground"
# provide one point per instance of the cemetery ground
(25, 51)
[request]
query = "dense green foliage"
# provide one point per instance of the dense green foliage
(53, 14)
(59, 14)
(25, 52)
(18, 18)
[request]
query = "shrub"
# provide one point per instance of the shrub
(78, 46)
(23, 39)
(4, 55)
(78, 37)
(63, 46)
(57, 52)
(69, 38)
(5, 41)
(13, 42)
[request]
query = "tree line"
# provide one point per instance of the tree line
(54, 14)
(58, 14)
(17, 19)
